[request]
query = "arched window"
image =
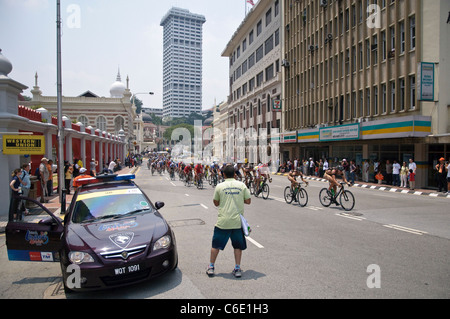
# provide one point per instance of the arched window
(119, 124)
(83, 119)
(101, 123)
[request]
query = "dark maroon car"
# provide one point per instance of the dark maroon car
(112, 235)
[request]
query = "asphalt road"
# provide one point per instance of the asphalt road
(391, 245)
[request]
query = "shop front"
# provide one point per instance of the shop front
(396, 139)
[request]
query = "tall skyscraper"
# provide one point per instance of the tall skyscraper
(182, 74)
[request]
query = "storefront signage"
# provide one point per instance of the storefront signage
(276, 106)
(426, 81)
(339, 133)
(23, 144)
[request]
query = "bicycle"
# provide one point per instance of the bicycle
(264, 189)
(298, 193)
(188, 180)
(346, 198)
(250, 184)
(213, 180)
(200, 182)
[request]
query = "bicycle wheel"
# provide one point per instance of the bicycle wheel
(288, 195)
(302, 197)
(325, 197)
(200, 183)
(347, 200)
(265, 191)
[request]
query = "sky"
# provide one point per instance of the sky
(101, 36)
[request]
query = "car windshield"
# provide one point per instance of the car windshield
(106, 204)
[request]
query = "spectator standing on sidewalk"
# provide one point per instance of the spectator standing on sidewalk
(441, 175)
(25, 185)
(68, 175)
(447, 168)
(44, 177)
(230, 196)
(396, 173)
(388, 172)
(404, 175)
(14, 213)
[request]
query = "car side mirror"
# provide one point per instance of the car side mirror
(159, 205)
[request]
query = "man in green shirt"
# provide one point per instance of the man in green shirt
(230, 197)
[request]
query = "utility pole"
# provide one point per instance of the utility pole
(61, 184)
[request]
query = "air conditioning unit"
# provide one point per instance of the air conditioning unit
(323, 3)
(285, 63)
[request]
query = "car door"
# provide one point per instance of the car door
(37, 237)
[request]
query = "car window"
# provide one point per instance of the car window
(29, 212)
(109, 204)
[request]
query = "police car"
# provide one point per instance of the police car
(112, 235)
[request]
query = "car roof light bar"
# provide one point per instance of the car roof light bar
(105, 178)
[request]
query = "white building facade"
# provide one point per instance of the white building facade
(182, 63)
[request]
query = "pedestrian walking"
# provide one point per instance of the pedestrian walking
(230, 196)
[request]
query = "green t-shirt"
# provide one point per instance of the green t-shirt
(231, 195)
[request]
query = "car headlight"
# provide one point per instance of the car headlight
(78, 257)
(162, 243)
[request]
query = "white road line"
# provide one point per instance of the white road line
(204, 206)
(406, 229)
(173, 184)
(254, 242)
(186, 195)
(350, 216)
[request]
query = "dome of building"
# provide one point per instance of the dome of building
(146, 118)
(117, 88)
(5, 65)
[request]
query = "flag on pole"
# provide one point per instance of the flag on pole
(251, 2)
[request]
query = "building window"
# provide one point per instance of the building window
(383, 99)
(259, 53)
(402, 94)
(119, 123)
(412, 90)
(393, 96)
(412, 32)
(101, 123)
(383, 45)
(268, 17)
(402, 37)
(84, 120)
(269, 45)
(269, 72)
(259, 28)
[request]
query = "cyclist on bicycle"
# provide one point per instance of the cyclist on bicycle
(198, 171)
(187, 172)
(292, 177)
(330, 176)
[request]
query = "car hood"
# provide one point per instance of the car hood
(116, 234)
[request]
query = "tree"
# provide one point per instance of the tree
(138, 104)
(168, 133)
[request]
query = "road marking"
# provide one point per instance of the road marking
(406, 229)
(254, 242)
(186, 195)
(204, 206)
(350, 216)
(315, 208)
(173, 184)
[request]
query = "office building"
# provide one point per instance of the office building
(182, 62)
(367, 80)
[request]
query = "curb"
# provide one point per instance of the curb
(385, 188)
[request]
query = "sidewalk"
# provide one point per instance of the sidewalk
(383, 187)
(54, 205)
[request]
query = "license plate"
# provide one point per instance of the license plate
(126, 270)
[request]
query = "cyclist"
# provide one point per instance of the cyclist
(330, 176)
(198, 171)
(292, 177)
(237, 171)
(187, 172)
